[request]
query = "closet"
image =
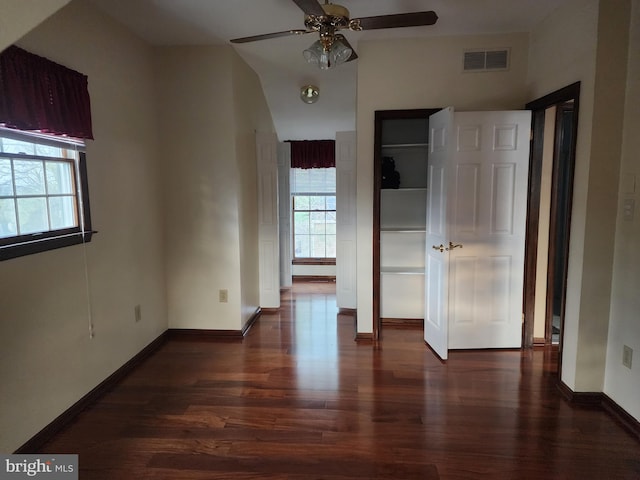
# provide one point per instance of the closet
(449, 244)
(400, 184)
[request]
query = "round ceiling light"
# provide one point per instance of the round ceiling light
(309, 94)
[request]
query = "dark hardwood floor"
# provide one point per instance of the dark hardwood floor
(297, 398)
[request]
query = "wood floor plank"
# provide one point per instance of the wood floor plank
(298, 399)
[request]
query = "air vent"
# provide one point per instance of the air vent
(486, 60)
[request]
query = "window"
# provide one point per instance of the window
(314, 214)
(44, 201)
(314, 226)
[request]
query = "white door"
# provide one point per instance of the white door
(436, 316)
(346, 232)
(486, 194)
(268, 241)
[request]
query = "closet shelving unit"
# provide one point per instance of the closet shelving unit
(400, 217)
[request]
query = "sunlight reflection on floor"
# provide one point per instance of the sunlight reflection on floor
(315, 330)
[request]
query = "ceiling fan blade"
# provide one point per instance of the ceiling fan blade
(255, 38)
(414, 19)
(309, 7)
(346, 43)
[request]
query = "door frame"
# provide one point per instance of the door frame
(538, 107)
(380, 116)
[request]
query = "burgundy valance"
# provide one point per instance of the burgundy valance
(38, 94)
(313, 153)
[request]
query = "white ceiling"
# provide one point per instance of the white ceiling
(279, 62)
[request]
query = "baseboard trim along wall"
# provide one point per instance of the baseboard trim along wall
(203, 334)
(402, 322)
(65, 418)
(364, 337)
(602, 401)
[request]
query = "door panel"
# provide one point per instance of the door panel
(468, 183)
(476, 206)
(436, 319)
(486, 299)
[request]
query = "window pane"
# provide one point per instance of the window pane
(330, 241)
(29, 177)
(63, 212)
(318, 246)
(301, 222)
(59, 178)
(6, 179)
(331, 223)
(301, 202)
(317, 220)
(48, 151)
(32, 215)
(302, 246)
(331, 203)
(7, 218)
(316, 203)
(10, 145)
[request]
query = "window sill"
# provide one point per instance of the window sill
(313, 261)
(44, 244)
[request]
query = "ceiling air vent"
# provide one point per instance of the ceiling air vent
(486, 60)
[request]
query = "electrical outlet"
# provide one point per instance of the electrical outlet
(137, 313)
(627, 356)
(223, 296)
(92, 332)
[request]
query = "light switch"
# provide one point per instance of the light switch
(628, 209)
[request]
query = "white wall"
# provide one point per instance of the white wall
(211, 106)
(200, 185)
(563, 51)
(251, 114)
(575, 44)
(20, 16)
(622, 384)
(421, 73)
(47, 360)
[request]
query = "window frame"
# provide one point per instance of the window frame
(309, 260)
(28, 244)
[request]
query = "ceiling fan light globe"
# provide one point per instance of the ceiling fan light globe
(317, 55)
(313, 53)
(340, 53)
(310, 56)
(325, 61)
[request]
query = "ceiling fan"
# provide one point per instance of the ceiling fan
(333, 48)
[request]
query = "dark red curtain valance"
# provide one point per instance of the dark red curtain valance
(38, 94)
(313, 153)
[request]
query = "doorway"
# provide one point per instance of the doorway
(554, 131)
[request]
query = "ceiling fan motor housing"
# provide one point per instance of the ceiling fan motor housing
(335, 18)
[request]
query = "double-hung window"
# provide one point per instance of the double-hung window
(314, 214)
(44, 201)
